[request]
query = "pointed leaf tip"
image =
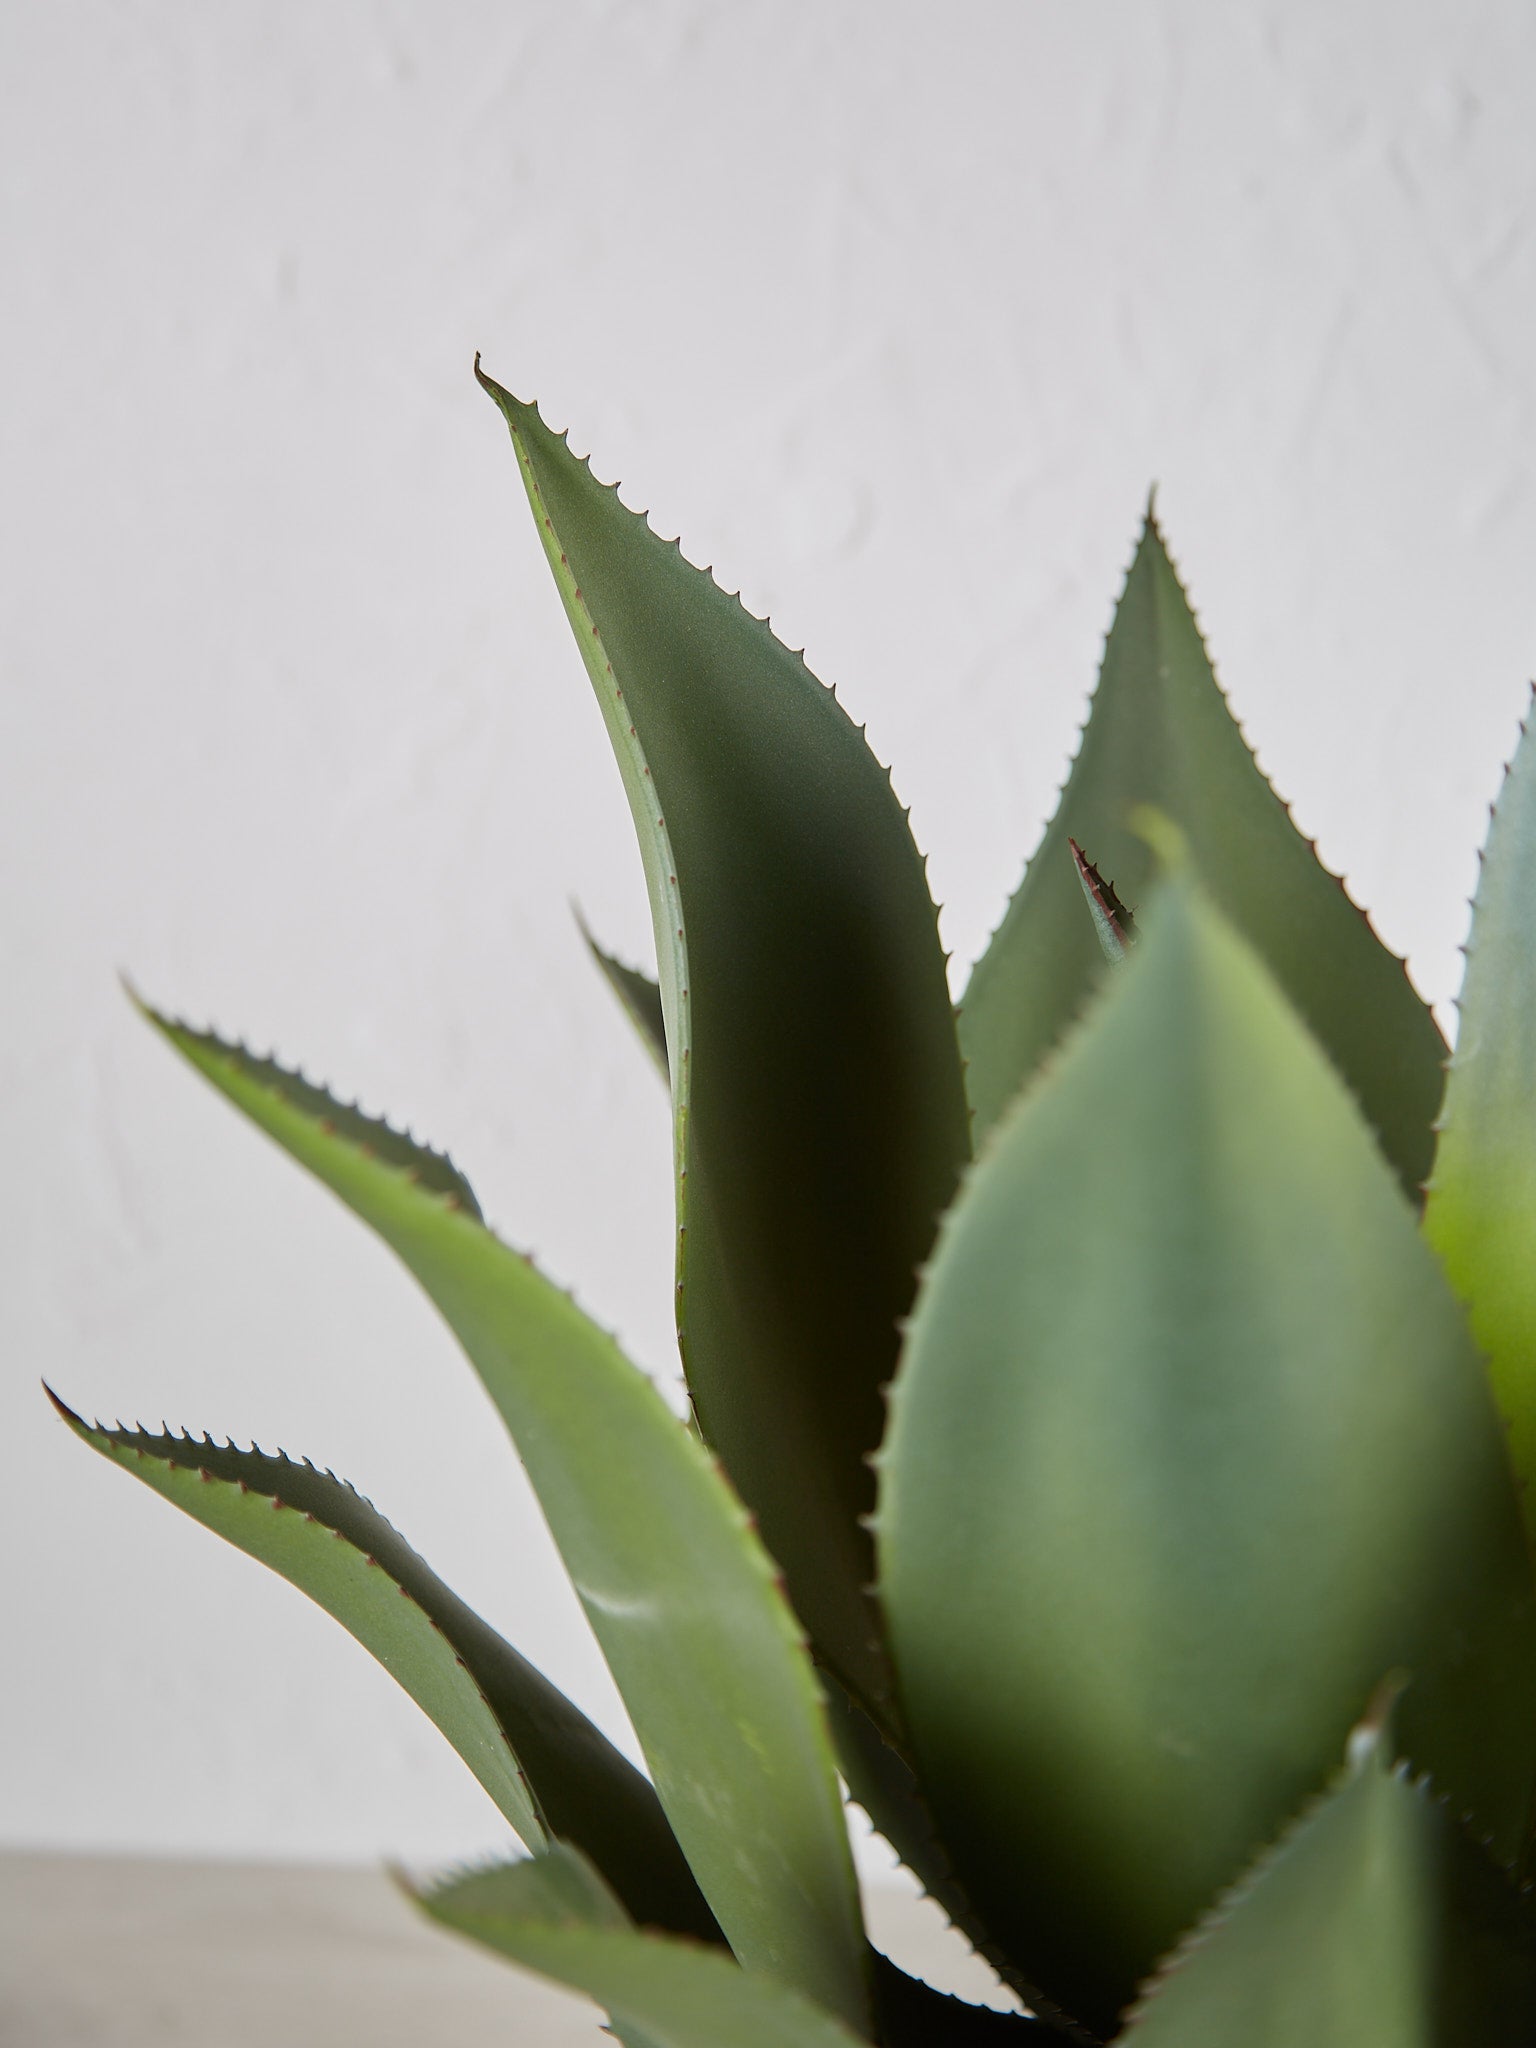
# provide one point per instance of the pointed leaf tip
(1112, 921)
(819, 1109)
(1160, 732)
(1119, 1421)
(1373, 1921)
(717, 1682)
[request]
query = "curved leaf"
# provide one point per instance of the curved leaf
(1373, 1923)
(1160, 734)
(820, 1111)
(245, 1497)
(1480, 1207)
(1113, 924)
(680, 1594)
(553, 1914)
(639, 997)
(911, 2014)
(654, 1991)
(881, 1779)
(542, 1761)
(1189, 1444)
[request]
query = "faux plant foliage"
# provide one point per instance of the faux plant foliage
(1215, 1504)
(1480, 1210)
(554, 1776)
(1188, 1453)
(1160, 734)
(1373, 1923)
(679, 1592)
(820, 1111)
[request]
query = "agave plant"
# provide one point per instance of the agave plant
(1106, 1457)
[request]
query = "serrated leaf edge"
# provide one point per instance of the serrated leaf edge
(140, 1442)
(1227, 1901)
(1152, 527)
(258, 1066)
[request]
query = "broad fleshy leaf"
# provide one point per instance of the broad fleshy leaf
(1480, 1209)
(542, 1761)
(1374, 1923)
(819, 1105)
(1189, 1444)
(553, 1914)
(1160, 734)
(639, 998)
(680, 1594)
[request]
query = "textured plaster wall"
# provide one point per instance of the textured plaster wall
(894, 311)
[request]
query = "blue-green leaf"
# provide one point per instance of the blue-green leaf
(1480, 1210)
(553, 1914)
(639, 998)
(1373, 1923)
(1160, 734)
(548, 1769)
(819, 1107)
(1189, 1444)
(680, 1594)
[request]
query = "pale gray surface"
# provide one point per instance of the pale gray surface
(895, 311)
(121, 1952)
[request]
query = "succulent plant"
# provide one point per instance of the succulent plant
(1105, 1455)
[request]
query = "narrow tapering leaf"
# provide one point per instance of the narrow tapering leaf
(540, 1758)
(1113, 924)
(1480, 1212)
(680, 1593)
(820, 1111)
(1374, 1923)
(553, 1914)
(639, 998)
(334, 1546)
(1160, 734)
(1190, 1443)
(882, 1780)
(512, 1907)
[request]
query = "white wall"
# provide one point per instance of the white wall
(894, 311)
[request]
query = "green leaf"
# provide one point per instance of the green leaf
(554, 1915)
(542, 1761)
(1113, 924)
(513, 1908)
(1373, 1923)
(680, 1594)
(819, 1105)
(1189, 1444)
(639, 997)
(881, 1779)
(1480, 1211)
(911, 2014)
(1160, 734)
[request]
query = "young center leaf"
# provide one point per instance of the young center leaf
(820, 1111)
(1480, 1209)
(542, 1761)
(679, 1592)
(1190, 1443)
(1160, 734)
